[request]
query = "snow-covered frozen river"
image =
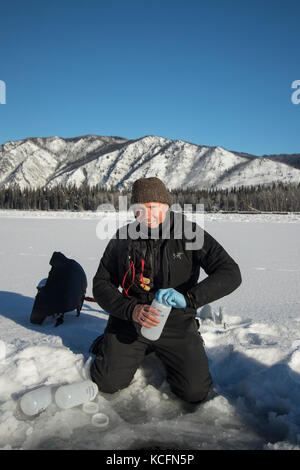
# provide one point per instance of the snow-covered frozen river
(254, 353)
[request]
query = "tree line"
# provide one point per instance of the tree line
(277, 197)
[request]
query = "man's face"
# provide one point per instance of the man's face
(151, 213)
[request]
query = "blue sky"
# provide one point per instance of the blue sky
(208, 72)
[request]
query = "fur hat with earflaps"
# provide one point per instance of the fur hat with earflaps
(150, 190)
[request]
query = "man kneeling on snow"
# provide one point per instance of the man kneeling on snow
(158, 263)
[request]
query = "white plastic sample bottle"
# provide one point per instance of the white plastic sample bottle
(75, 394)
(154, 332)
(36, 401)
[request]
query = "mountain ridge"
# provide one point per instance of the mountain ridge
(114, 161)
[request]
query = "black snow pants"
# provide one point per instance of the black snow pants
(180, 350)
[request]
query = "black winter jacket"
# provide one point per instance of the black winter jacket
(168, 263)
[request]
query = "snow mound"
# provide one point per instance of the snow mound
(255, 404)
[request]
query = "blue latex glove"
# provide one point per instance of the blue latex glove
(171, 297)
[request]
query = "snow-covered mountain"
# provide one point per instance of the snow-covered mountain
(117, 162)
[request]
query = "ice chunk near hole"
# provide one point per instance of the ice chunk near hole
(294, 365)
(218, 316)
(2, 350)
(206, 313)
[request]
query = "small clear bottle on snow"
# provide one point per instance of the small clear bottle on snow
(75, 394)
(154, 332)
(36, 401)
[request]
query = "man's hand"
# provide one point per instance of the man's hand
(145, 315)
(171, 297)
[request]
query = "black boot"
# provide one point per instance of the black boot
(96, 347)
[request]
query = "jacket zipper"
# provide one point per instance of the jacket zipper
(168, 266)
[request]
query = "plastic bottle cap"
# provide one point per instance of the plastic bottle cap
(90, 407)
(100, 420)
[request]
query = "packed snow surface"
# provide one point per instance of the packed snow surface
(252, 339)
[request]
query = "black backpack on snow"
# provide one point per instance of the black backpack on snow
(63, 291)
